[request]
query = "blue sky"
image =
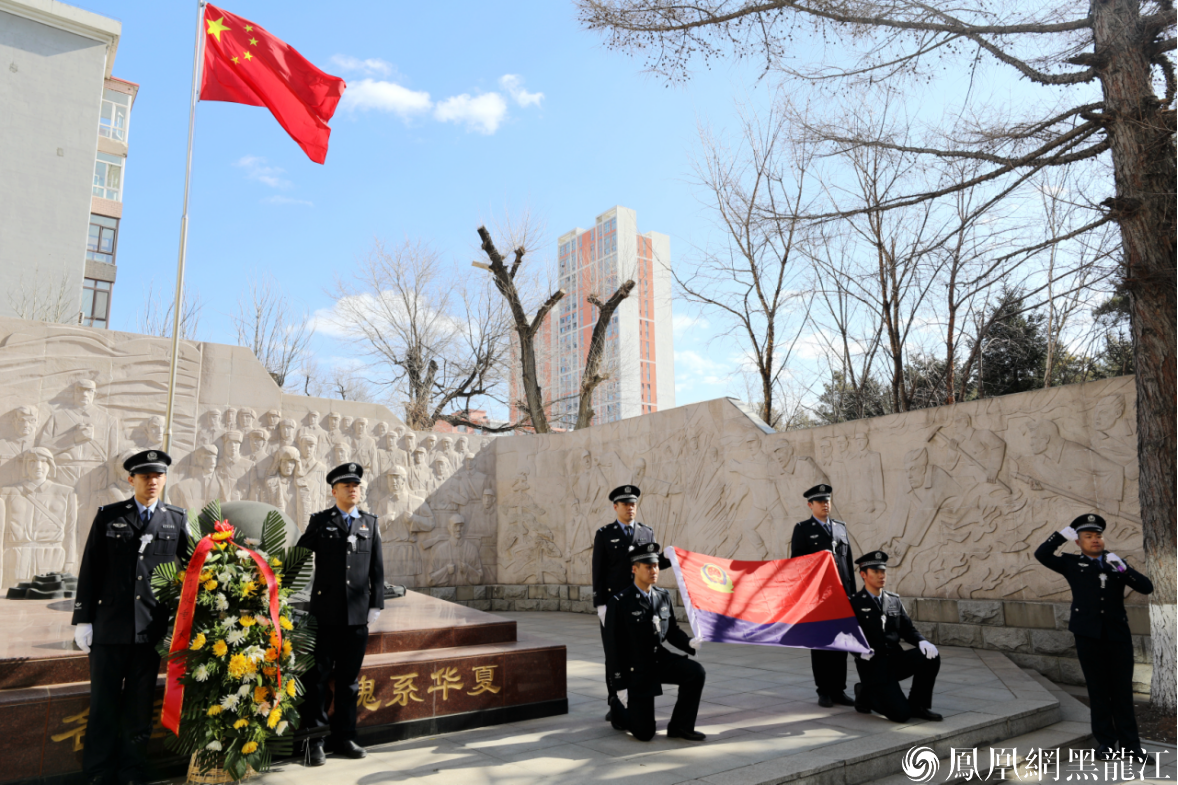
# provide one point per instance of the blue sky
(571, 131)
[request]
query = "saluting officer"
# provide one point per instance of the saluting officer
(1098, 621)
(821, 533)
(611, 560)
(885, 623)
(637, 621)
(347, 595)
(118, 621)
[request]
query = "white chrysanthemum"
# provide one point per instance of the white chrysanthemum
(229, 702)
(244, 690)
(235, 637)
(254, 653)
(281, 729)
(201, 673)
(230, 621)
(222, 602)
(213, 745)
(244, 555)
(224, 576)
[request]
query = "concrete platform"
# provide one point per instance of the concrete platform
(760, 713)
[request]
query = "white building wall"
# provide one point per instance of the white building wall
(55, 59)
(664, 337)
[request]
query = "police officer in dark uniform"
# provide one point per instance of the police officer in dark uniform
(611, 561)
(347, 595)
(1098, 621)
(821, 533)
(885, 623)
(637, 621)
(119, 622)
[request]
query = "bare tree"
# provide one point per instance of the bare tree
(266, 325)
(349, 384)
(155, 317)
(1132, 119)
(45, 300)
(756, 284)
(439, 342)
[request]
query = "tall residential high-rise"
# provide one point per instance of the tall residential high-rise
(639, 351)
(65, 154)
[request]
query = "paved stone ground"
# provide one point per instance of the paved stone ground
(759, 710)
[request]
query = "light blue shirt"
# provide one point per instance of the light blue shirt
(151, 509)
(625, 528)
(350, 517)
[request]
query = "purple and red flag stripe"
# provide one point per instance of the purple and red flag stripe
(785, 602)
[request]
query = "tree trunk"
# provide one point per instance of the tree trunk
(589, 377)
(1144, 173)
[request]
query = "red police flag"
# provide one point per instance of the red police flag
(243, 64)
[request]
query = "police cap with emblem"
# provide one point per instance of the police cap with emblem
(1090, 522)
(625, 493)
(819, 493)
(148, 462)
(646, 552)
(876, 560)
(345, 472)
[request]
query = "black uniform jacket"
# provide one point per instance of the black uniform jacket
(1098, 590)
(114, 582)
(884, 626)
(633, 641)
(349, 579)
(611, 558)
(810, 537)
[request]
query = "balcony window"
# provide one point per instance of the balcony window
(116, 110)
(95, 303)
(100, 246)
(108, 177)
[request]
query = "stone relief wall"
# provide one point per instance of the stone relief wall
(959, 496)
(75, 402)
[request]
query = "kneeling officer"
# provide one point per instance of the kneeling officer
(885, 623)
(637, 621)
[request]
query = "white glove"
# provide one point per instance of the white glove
(601, 614)
(373, 615)
(928, 650)
(696, 643)
(867, 657)
(1116, 561)
(84, 636)
(1069, 533)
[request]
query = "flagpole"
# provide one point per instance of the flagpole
(178, 306)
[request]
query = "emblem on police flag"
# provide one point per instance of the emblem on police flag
(716, 579)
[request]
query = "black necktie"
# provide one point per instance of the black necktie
(145, 516)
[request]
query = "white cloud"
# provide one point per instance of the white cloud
(681, 323)
(692, 367)
(372, 66)
(514, 85)
(325, 322)
(276, 199)
(256, 169)
(482, 113)
(386, 97)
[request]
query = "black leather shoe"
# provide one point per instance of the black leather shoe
(686, 735)
(825, 701)
(861, 705)
(926, 714)
(350, 749)
(315, 754)
(842, 699)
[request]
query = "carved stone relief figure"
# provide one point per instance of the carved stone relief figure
(334, 434)
(748, 472)
(313, 428)
(863, 489)
(230, 420)
(796, 474)
(528, 547)
(314, 471)
(202, 484)
(82, 466)
(974, 455)
(19, 429)
(419, 472)
(439, 472)
(588, 514)
(58, 432)
(150, 434)
(245, 419)
(285, 489)
(233, 469)
(1071, 470)
(930, 489)
(271, 419)
(1116, 435)
(38, 522)
(211, 427)
(657, 508)
(402, 516)
(391, 453)
(340, 453)
(285, 435)
(454, 560)
(461, 451)
(364, 446)
(430, 443)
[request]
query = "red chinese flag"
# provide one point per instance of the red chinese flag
(244, 64)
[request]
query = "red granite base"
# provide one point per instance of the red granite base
(431, 666)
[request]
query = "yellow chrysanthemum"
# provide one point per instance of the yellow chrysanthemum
(274, 718)
(271, 655)
(275, 562)
(286, 648)
(248, 747)
(240, 724)
(277, 580)
(248, 588)
(214, 710)
(275, 638)
(238, 666)
(210, 585)
(290, 687)
(220, 648)
(206, 575)
(198, 642)
(247, 621)
(284, 623)
(269, 673)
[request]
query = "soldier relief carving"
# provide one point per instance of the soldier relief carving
(958, 495)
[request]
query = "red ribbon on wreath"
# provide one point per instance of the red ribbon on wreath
(182, 631)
